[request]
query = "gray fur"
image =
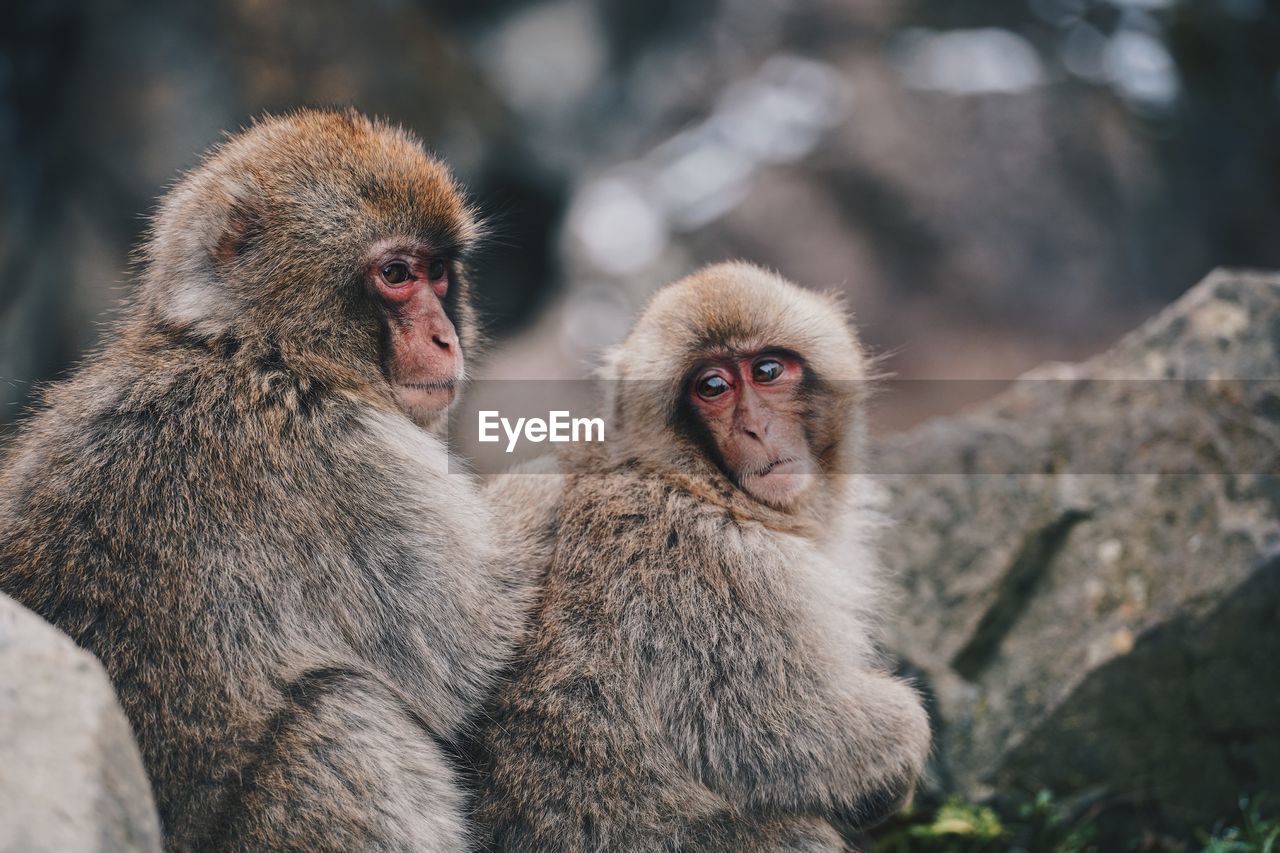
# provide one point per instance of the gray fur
(702, 672)
(297, 602)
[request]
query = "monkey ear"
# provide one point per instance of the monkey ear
(610, 367)
(240, 231)
(208, 226)
(609, 375)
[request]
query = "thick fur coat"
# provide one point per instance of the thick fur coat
(702, 672)
(296, 599)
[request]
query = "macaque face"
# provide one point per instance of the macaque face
(751, 407)
(422, 357)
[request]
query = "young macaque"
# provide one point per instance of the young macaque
(702, 673)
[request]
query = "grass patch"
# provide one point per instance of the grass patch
(1044, 824)
(1252, 833)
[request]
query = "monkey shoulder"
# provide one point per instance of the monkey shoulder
(171, 470)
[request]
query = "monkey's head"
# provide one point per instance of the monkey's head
(735, 374)
(330, 244)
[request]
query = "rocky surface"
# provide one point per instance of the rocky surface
(70, 774)
(1090, 568)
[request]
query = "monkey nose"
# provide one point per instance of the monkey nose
(444, 343)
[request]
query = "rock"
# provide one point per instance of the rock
(1090, 569)
(71, 777)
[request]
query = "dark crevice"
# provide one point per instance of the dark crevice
(1029, 566)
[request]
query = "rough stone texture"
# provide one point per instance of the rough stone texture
(70, 774)
(1090, 567)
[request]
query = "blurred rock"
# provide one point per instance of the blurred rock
(70, 774)
(1090, 569)
(983, 209)
(102, 105)
(991, 184)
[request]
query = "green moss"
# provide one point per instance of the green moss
(960, 827)
(956, 826)
(1044, 824)
(957, 817)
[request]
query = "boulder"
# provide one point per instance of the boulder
(1090, 571)
(71, 777)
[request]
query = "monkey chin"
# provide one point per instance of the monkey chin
(424, 401)
(782, 484)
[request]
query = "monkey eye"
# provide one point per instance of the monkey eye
(711, 386)
(436, 269)
(766, 370)
(396, 272)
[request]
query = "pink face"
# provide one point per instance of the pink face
(423, 359)
(751, 407)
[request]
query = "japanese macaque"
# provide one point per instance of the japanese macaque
(702, 670)
(239, 506)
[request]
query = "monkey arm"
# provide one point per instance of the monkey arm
(764, 710)
(852, 752)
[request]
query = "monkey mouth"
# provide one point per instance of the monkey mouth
(437, 385)
(423, 399)
(769, 467)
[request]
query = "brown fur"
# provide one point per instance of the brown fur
(296, 600)
(702, 673)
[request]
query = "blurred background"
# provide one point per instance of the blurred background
(993, 183)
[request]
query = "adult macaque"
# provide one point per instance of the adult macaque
(236, 506)
(701, 674)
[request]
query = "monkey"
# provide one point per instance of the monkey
(242, 504)
(702, 672)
